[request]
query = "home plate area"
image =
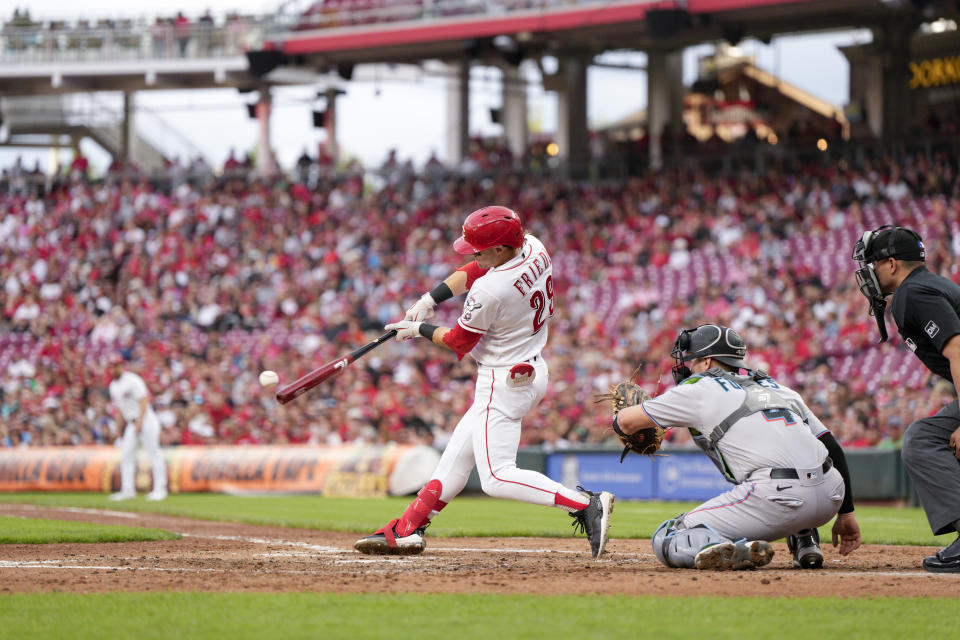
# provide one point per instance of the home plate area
(221, 557)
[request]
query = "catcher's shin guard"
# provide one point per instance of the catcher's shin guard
(678, 547)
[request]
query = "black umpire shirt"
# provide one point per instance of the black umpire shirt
(926, 308)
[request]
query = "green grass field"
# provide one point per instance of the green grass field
(33, 531)
(466, 617)
(244, 615)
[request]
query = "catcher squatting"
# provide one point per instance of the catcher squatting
(789, 473)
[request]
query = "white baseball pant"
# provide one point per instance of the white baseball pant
(488, 435)
(761, 508)
(150, 439)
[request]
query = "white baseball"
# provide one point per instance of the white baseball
(269, 378)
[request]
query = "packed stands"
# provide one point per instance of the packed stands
(202, 280)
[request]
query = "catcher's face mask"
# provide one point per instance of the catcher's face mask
(882, 243)
(680, 370)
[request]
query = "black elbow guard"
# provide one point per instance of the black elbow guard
(835, 451)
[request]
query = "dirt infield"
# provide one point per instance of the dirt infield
(216, 556)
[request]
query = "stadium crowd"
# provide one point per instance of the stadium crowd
(202, 285)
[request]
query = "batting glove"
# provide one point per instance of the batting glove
(405, 329)
(421, 309)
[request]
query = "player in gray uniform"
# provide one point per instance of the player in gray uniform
(790, 475)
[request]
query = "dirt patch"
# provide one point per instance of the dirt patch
(218, 556)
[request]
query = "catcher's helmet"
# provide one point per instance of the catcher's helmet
(723, 344)
(490, 227)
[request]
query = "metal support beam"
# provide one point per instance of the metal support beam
(572, 113)
(458, 112)
(266, 165)
(330, 123)
(664, 102)
(514, 111)
(127, 131)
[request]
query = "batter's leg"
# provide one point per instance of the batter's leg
(496, 439)
(495, 445)
(447, 481)
(404, 536)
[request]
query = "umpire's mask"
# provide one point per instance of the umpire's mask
(723, 344)
(884, 242)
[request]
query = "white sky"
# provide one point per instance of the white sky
(409, 116)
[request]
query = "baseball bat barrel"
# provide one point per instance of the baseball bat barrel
(329, 370)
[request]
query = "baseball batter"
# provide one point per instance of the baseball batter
(503, 327)
(129, 394)
(789, 471)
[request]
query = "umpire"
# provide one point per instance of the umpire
(926, 308)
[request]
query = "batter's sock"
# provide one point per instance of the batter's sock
(421, 510)
(570, 500)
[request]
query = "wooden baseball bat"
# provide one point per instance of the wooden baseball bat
(287, 392)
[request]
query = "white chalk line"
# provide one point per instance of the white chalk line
(327, 549)
(317, 548)
(98, 512)
(51, 564)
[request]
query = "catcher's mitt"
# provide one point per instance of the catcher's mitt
(645, 441)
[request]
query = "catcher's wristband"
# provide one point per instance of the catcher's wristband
(441, 292)
(616, 427)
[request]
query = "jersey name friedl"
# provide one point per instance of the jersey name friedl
(528, 278)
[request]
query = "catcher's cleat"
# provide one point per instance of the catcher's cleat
(385, 542)
(734, 555)
(805, 547)
(594, 519)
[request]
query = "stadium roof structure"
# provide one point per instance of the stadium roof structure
(451, 28)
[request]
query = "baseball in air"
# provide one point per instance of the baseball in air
(269, 378)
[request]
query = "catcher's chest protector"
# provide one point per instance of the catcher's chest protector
(758, 398)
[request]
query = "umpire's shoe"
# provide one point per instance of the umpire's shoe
(805, 547)
(734, 555)
(594, 519)
(946, 560)
(386, 542)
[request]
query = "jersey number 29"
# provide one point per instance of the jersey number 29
(542, 301)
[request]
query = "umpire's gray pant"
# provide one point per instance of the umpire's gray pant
(934, 468)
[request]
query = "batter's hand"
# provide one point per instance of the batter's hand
(405, 329)
(421, 309)
(845, 528)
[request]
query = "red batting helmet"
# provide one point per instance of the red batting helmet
(490, 227)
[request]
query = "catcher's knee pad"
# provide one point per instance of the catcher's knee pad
(678, 547)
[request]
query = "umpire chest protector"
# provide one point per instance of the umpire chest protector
(758, 398)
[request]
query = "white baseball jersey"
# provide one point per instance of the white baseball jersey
(126, 393)
(768, 439)
(511, 306)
